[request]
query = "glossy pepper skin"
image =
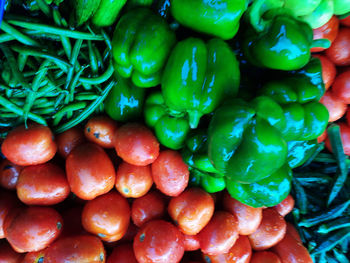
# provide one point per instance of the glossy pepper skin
(341, 7)
(216, 18)
(300, 151)
(198, 76)
(321, 15)
(301, 7)
(107, 12)
(84, 9)
(141, 44)
(171, 131)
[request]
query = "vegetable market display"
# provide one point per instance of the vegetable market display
(174, 131)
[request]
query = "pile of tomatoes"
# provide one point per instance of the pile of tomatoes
(110, 193)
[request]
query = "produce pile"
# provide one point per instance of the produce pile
(174, 131)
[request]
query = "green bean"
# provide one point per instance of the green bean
(6, 38)
(93, 59)
(65, 110)
(340, 256)
(106, 39)
(22, 60)
(44, 111)
(331, 240)
(83, 96)
(18, 35)
(99, 58)
(74, 83)
(44, 7)
(334, 225)
(65, 40)
(59, 99)
(301, 198)
(102, 78)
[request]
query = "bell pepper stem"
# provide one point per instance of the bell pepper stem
(194, 117)
(323, 43)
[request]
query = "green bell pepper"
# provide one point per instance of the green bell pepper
(341, 7)
(107, 12)
(301, 7)
(216, 18)
(321, 15)
(84, 9)
(198, 76)
(300, 151)
(141, 44)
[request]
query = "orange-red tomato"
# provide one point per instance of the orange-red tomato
(90, 172)
(322, 137)
(148, 207)
(82, 249)
(339, 51)
(345, 21)
(286, 206)
(101, 130)
(220, 234)
(8, 202)
(72, 222)
(158, 241)
(136, 144)
(31, 146)
(341, 86)
(133, 181)
(170, 173)
(345, 138)
(240, 252)
(123, 253)
(249, 218)
(8, 255)
(271, 230)
(329, 70)
(9, 173)
(68, 140)
(291, 230)
(34, 257)
(327, 31)
(265, 257)
(32, 228)
(191, 242)
(191, 210)
(335, 106)
(43, 184)
(107, 216)
(130, 233)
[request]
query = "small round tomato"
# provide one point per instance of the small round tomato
(34, 257)
(170, 173)
(82, 249)
(90, 172)
(31, 146)
(8, 202)
(136, 144)
(220, 234)
(240, 252)
(148, 207)
(8, 255)
(286, 206)
(329, 70)
(68, 140)
(107, 216)
(159, 241)
(339, 51)
(345, 138)
(265, 257)
(191, 210)
(327, 31)
(43, 184)
(322, 137)
(335, 106)
(291, 230)
(249, 218)
(345, 21)
(123, 253)
(101, 130)
(133, 181)
(32, 228)
(271, 230)
(341, 86)
(191, 242)
(72, 222)
(130, 233)
(9, 173)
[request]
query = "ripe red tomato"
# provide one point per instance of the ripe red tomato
(34, 257)
(220, 234)
(249, 218)
(31, 146)
(8, 202)
(271, 230)
(107, 216)
(82, 249)
(345, 138)
(9, 173)
(286, 206)
(329, 70)
(123, 253)
(191, 242)
(136, 144)
(322, 137)
(335, 106)
(68, 140)
(191, 210)
(158, 241)
(345, 21)
(341, 86)
(130, 233)
(32, 228)
(8, 255)
(101, 130)
(133, 181)
(327, 31)
(170, 173)
(90, 172)
(291, 230)
(339, 51)
(265, 257)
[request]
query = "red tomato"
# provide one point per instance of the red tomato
(68, 140)
(335, 106)
(339, 51)
(9, 173)
(345, 21)
(291, 230)
(130, 233)
(72, 222)
(271, 230)
(136, 144)
(345, 138)
(31, 146)
(43, 184)
(149, 207)
(123, 253)
(191, 210)
(341, 87)
(191, 242)
(8, 255)
(240, 252)
(32, 228)
(329, 70)
(34, 257)
(107, 216)
(90, 172)
(158, 241)
(170, 173)
(8, 202)
(327, 31)
(322, 137)
(265, 257)
(286, 206)
(249, 218)
(101, 130)
(133, 181)
(220, 234)
(82, 249)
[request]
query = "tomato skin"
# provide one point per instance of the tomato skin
(8, 255)
(34, 257)
(31, 146)
(341, 86)
(291, 230)
(286, 206)
(271, 230)
(345, 21)
(220, 234)
(339, 51)
(90, 172)
(191, 210)
(158, 241)
(191, 242)
(328, 31)
(335, 106)
(123, 253)
(131, 232)
(8, 202)
(136, 144)
(345, 138)
(9, 173)
(322, 137)
(32, 228)
(82, 249)
(133, 181)
(101, 130)
(249, 218)
(329, 70)
(68, 140)
(265, 257)
(170, 173)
